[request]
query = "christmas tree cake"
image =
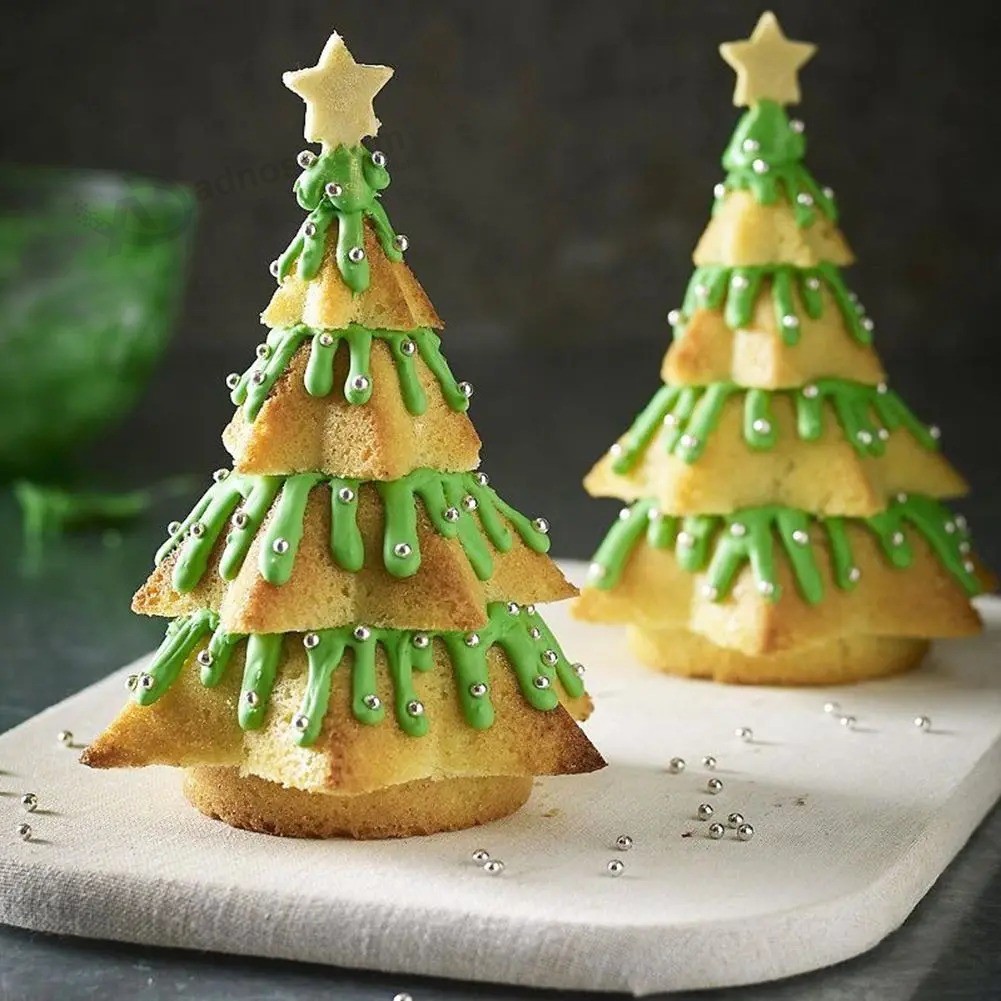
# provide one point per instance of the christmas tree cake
(354, 647)
(786, 519)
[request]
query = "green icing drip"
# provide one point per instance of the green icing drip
(460, 506)
(533, 654)
(720, 545)
(253, 387)
(342, 183)
(735, 291)
(689, 414)
(765, 156)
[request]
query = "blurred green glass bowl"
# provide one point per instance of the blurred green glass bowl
(92, 267)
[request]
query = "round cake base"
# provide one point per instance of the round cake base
(836, 662)
(399, 811)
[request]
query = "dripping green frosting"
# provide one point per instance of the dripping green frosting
(342, 183)
(689, 415)
(534, 656)
(460, 506)
(252, 388)
(765, 156)
(735, 290)
(720, 545)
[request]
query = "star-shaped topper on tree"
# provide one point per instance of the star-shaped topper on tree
(767, 64)
(338, 93)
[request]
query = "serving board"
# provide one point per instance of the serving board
(851, 828)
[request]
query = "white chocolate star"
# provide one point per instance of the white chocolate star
(767, 64)
(338, 93)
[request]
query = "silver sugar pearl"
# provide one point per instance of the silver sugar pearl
(790, 321)
(719, 190)
(478, 690)
(262, 351)
(513, 608)
(676, 766)
(550, 658)
(471, 639)
(220, 474)
(362, 633)
(761, 426)
(345, 495)
(578, 669)
(923, 723)
(535, 632)
(848, 722)
(715, 830)
(24, 832)
(309, 229)
(30, 802)
(482, 479)
(744, 733)
(360, 383)
(306, 158)
(541, 526)
(240, 520)
(739, 281)
(173, 527)
(401, 242)
(750, 145)
(481, 855)
(685, 539)
(935, 431)
(204, 658)
(403, 996)
(252, 699)
(805, 199)
(415, 708)
(813, 283)
(466, 388)
(541, 682)
(832, 707)
(705, 811)
(257, 377)
(623, 842)
(493, 866)
(300, 722)
(408, 347)
(759, 166)
(709, 762)
(451, 514)
(738, 529)
(745, 832)
(469, 503)
(356, 255)
(714, 785)
(146, 681)
(421, 640)
(311, 641)
(379, 158)
(615, 867)
(197, 529)
(326, 340)
(232, 380)
(280, 546)
(674, 317)
(372, 702)
(530, 609)
(710, 592)
(811, 392)
(274, 267)
(402, 550)
(854, 575)
(797, 125)
(333, 190)
(734, 820)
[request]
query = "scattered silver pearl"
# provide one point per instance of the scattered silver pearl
(832, 707)
(805, 199)
(173, 527)
(146, 683)
(263, 352)
(356, 255)
(273, 267)
(750, 145)
(535, 633)
(451, 514)
(935, 431)
(309, 229)
(132, 681)
(493, 866)
(219, 475)
(204, 658)
(854, 575)
(482, 479)
(710, 592)
(848, 722)
(415, 708)
(950, 527)
(897, 538)
(719, 190)
(30, 802)
(705, 811)
(379, 158)
(513, 608)
(739, 282)
(326, 340)
(360, 383)
(734, 820)
(240, 520)
(715, 830)
(401, 550)
(257, 377)
(595, 572)
(469, 503)
(759, 166)
(738, 529)
(864, 437)
(761, 426)
(615, 450)
(549, 657)
(66, 737)
(372, 702)
(923, 723)
(280, 546)
(252, 699)
(961, 523)
(766, 587)
(685, 539)
(311, 641)
(530, 609)
(800, 537)
(306, 159)
(883, 434)
(472, 639)
(333, 190)
(624, 514)
(688, 441)
(676, 766)
(197, 529)
(362, 633)
(745, 832)
(232, 380)
(623, 842)
(403, 996)
(615, 867)
(478, 690)
(709, 763)
(868, 325)
(421, 640)
(541, 682)
(714, 785)
(541, 526)
(481, 855)
(969, 566)
(811, 392)
(797, 125)
(812, 283)
(744, 733)
(24, 832)
(408, 347)
(828, 193)
(702, 290)
(401, 242)
(345, 495)
(300, 722)
(790, 321)
(578, 669)
(466, 388)
(674, 317)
